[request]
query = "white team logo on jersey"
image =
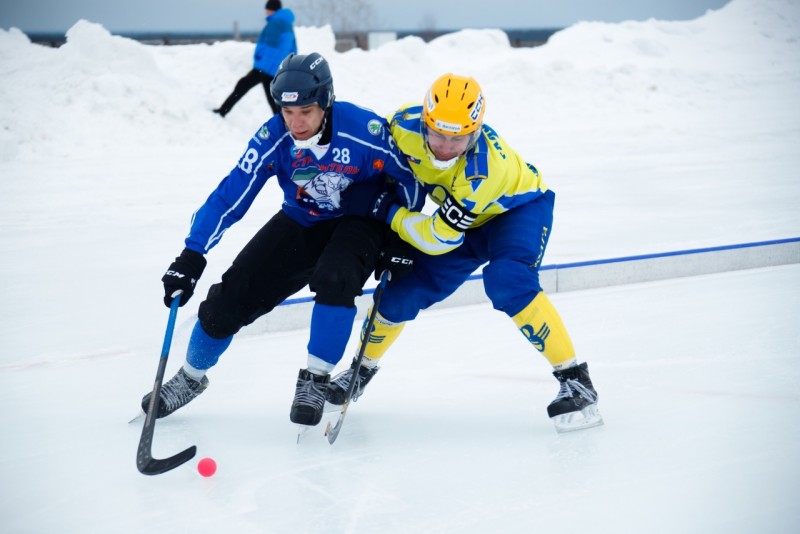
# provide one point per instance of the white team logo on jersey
(324, 187)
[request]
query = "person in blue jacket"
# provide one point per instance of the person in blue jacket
(275, 42)
(317, 149)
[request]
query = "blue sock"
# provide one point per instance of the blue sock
(204, 350)
(330, 330)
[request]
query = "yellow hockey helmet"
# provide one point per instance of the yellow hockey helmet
(454, 105)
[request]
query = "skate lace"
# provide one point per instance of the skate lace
(310, 393)
(176, 393)
(571, 387)
(344, 383)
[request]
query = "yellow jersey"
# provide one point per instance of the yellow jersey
(490, 179)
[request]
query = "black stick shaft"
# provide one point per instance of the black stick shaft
(145, 462)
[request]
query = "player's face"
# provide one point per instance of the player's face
(446, 147)
(303, 122)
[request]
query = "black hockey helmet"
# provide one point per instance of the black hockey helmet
(302, 80)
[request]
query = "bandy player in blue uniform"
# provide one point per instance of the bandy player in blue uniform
(494, 210)
(316, 148)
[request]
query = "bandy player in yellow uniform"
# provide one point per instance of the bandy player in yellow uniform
(494, 209)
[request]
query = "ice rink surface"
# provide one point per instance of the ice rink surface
(656, 135)
(698, 382)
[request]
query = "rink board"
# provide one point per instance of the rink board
(296, 313)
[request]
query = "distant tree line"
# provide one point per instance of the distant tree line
(351, 21)
(343, 15)
(345, 40)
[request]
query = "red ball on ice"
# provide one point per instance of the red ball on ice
(207, 467)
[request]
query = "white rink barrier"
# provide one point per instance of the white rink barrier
(295, 314)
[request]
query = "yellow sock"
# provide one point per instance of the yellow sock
(540, 323)
(383, 334)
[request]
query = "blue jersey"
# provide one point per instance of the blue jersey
(360, 149)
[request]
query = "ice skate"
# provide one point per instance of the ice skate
(337, 390)
(575, 406)
(309, 398)
(179, 391)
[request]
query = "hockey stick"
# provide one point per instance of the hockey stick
(144, 457)
(333, 433)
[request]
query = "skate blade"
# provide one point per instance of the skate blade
(139, 416)
(569, 422)
(302, 430)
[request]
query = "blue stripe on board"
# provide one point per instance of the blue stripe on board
(301, 300)
(673, 253)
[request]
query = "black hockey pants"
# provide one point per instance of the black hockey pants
(335, 258)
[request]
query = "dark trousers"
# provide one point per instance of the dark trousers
(250, 80)
(334, 257)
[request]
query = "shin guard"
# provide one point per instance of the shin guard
(540, 323)
(383, 334)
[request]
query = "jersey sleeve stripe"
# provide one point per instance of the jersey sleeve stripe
(218, 232)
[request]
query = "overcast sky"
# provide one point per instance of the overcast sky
(220, 15)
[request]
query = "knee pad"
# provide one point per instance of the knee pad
(510, 284)
(336, 286)
(225, 310)
(217, 324)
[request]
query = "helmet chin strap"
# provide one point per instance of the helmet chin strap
(311, 141)
(442, 165)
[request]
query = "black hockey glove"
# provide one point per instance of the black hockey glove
(183, 274)
(397, 257)
(368, 199)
